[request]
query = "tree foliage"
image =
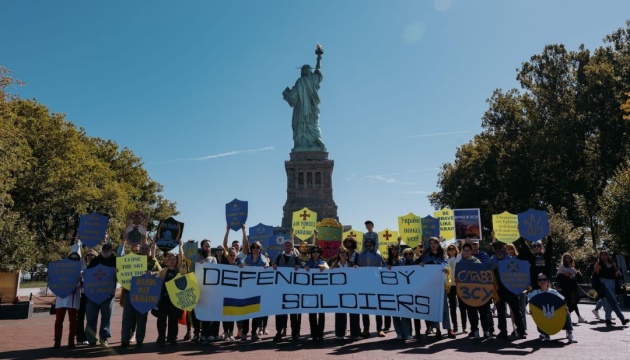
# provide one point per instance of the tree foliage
(555, 142)
(52, 172)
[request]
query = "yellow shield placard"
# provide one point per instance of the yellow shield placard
(183, 291)
(505, 226)
(303, 224)
(129, 266)
(447, 223)
(385, 238)
(410, 228)
(357, 235)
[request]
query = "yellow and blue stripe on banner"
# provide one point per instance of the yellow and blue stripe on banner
(246, 306)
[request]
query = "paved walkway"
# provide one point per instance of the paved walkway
(32, 339)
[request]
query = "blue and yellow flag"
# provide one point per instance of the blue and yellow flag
(232, 306)
(549, 312)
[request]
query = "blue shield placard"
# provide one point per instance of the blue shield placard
(64, 276)
(99, 282)
(474, 283)
(533, 225)
(144, 293)
(92, 229)
(549, 312)
(514, 275)
(367, 259)
(236, 214)
(274, 245)
(169, 233)
(260, 233)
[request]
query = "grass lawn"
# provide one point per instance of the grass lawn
(32, 284)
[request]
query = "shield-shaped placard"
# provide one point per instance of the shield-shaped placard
(549, 312)
(144, 292)
(514, 275)
(129, 266)
(183, 291)
(505, 227)
(169, 233)
(369, 260)
(330, 233)
(447, 223)
(386, 238)
(136, 229)
(303, 223)
(99, 282)
(410, 229)
(274, 245)
(474, 283)
(260, 233)
(533, 225)
(92, 229)
(357, 235)
(236, 214)
(64, 276)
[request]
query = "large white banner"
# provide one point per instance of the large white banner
(230, 293)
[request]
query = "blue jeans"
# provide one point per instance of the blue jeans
(91, 312)
(129, 314)
(610, 300)
(402, 326)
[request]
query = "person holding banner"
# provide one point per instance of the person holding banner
(168, 314)
(92, 309)
(475, 313)
(350, 243)
(288, 258)
(255, 258)
(209, 330)
(316, 321)
(545, 287)
(402, 326)
(341, 319)
(228, 326)
(435, 255)
(452, 258)
(69, 304)
(369, 247)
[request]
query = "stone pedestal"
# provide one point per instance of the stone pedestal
(309, 184)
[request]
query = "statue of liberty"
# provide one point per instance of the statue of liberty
(304, 100)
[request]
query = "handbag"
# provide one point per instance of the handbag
(53, 307)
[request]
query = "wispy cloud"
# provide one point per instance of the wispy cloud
(439, 134)
(214, 156)
(390, 178)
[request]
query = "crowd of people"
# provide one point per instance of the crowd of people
(308, 256)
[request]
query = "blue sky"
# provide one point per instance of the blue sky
(195, 88)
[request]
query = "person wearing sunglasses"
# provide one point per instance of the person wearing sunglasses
(69, 304)
(607, 274)
(254, 258)
(545, 287)
(434, 255)
(341, 261)
(316, 321)
(287, 259)
(539, 258)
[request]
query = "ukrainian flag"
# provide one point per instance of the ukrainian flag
(233, 306)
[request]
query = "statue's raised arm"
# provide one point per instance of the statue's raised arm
(304, 100)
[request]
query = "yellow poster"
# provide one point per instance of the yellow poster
(129, 266)
(183, 291)
(357, 235)
(385, 238)
(410, 228)
(447, 223)
(303, 224)
(505, 226)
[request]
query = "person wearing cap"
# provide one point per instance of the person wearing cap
(506, 297)
(106, 307)
(69, 304)
(288, 258)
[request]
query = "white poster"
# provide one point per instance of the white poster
(229, 293)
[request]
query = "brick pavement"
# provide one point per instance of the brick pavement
(32, 339)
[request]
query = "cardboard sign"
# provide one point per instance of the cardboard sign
(474, 283)
(467, 223)
(533, 225)
(136, 229)
(236, 214)
(369, 260)
(410, 229)
(514, 275)
(99, 283)
(386, 238)
(92, 229)
(274, 245)
(183, 291)
(129, 266)
(64, 276)
(330, 234)
(144, 292)
(357, 235)
(303, 224)
(505, 226)
(549, 312)
(447, 223)
(169, 233)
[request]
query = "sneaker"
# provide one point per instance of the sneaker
(84, 342)
(244, 338)
(203, 339)
(187, 336)
(596, 313)
(365, 334)
(277, 338)
(195, 339)
(222, 336)
(409, 337)
(339, 338)
(357, 338)
(381, 333)
(210, 338)
(230, 338)
(172, 342)
(265, 332)
(104, 343)
(581, 320)
(475, 334)
(624, 321)
(488, 335)
(255, 337)
(124, 344)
